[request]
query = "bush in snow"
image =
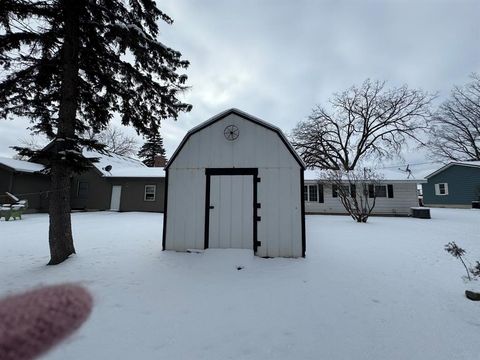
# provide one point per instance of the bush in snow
(453, 249)
(356, 189)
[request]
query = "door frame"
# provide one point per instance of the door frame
(231, 172)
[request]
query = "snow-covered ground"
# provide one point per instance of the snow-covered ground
(382, 290)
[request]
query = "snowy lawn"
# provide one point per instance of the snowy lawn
(382, 290)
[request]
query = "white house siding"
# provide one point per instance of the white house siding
(404, 197)
(279, 230)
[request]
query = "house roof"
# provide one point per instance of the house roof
(475, 164)
(387, 175)
(245, 116)
(21, 165)
(145, 172)
(122, 166)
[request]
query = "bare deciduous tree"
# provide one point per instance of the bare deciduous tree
(356, 189)
(455, 131)
(366, 120)
(116, 141)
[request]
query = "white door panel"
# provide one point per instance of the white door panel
(116, 195)
(231, 218)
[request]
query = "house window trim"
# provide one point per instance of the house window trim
(154, 192)
(320, 198)
(445, 188)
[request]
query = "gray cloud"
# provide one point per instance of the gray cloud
(277, 59)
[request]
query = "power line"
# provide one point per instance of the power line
(410, 164)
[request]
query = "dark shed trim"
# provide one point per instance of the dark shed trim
(244, 116)
(165, 203)
(232, 171)
(304, 242)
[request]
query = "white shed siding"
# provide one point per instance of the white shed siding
(404, 197)
(280, 212)
(186, 209)
(255, 147)
(279, 230)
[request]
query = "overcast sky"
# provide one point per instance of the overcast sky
(277, 59)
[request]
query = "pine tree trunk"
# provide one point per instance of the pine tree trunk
(60, 231)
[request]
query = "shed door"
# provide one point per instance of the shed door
(231, 212)
(115, 201)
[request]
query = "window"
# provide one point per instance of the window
(335, 190)
(441, 189)
(150, 192)
(380, 191)
(313, 193)
(82, 190)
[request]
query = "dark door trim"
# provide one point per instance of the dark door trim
(302, 184)
(165, 204)
(231, 171)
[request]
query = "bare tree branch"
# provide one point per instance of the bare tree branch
(455, 128)
(365, 121)
(116, 141)
(356, 190)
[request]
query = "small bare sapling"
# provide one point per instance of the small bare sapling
(453, 249)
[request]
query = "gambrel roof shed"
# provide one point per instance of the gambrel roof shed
(235, 182)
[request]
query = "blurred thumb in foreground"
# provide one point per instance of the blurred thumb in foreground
(33, 322)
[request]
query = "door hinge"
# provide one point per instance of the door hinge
(259, 206)
(259, 218)
(211, 207)
(259, 179)
(258, 243)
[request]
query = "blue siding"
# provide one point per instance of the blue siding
(463, 186)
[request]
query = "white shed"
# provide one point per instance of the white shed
(235, 182)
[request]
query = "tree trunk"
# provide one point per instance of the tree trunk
(60, 232)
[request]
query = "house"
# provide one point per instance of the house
(395, 194)
(26, 180)
(115, 182)
(118, 183)
(235, 182)
(456, 184)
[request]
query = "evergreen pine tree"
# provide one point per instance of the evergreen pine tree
(69, 66)
(152, 148)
